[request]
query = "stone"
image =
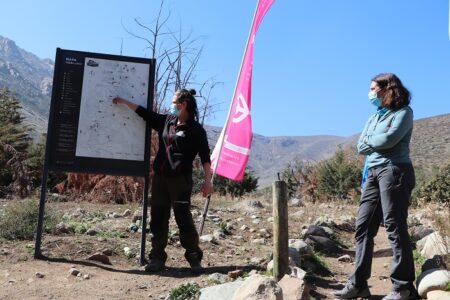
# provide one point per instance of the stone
(218, 277)
(329, 232)
(346, 223)
(438, 295)
(433, 279)
(236, 273)
(254, 204)
(74, 272)
(270, 219)
(136, 216)
(100, 257)
(297, 272)
(435, 245)
(259, 241)
(208, 238)
(220, 292)
(244, 227)
(296, 202)
(62, 228)
(291, 263)
(295, 256)
(303, 248)
(433, 263)
(127, 252)
(219, 235)
(126, 213)
(323, 244)
(293, 288)
(92, 231)
(116, 215)
(419, 232)
(256, 221)
(86, 276)
(315, 230)
(345, 258)
(39, 275)
(258, 287)
(325, 221)
(256, 260)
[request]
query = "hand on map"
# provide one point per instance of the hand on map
(118, 100)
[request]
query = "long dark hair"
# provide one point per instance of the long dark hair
(184, 95)
(396, 95)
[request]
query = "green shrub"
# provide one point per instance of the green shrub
(419, 260)
(79, 227)
(19, 220)
(185, 292)
(437, 189)
(339, 176)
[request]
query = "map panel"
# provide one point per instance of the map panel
(106, 130)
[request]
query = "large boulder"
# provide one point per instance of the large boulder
(258, 287)
(303, 248)
(316, 231)
(431, 280)
(294, 288)
(434, 245)
(323, 244)
(419, 232)
(220, 292)
(438, 295)
(436, 262)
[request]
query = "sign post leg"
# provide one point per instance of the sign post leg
(40, 225)
(144, 220)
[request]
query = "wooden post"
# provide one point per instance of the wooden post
(280, 230)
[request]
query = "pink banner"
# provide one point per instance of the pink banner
(231, 153)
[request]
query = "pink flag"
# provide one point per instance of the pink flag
(230, 155)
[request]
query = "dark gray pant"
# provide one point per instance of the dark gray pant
(173, 192)
(386, 197)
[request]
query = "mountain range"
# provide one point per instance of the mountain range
(31, 78)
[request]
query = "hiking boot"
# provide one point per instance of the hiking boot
(350, 291)
(154, 265)
(194, 262)
(402, 295)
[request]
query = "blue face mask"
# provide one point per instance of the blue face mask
(173, 109)
(373, 98)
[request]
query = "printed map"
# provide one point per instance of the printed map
(106, 130)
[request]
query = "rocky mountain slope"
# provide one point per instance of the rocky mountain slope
(31, 79)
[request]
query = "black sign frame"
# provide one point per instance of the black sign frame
(64, 116)
(69, 162)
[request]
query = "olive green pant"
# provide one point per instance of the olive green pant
(173, 192)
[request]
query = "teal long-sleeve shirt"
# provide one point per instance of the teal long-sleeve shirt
(385, 139)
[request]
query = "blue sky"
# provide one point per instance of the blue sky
(313, 59)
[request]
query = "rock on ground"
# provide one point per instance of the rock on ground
(434, 279)
(258, 287)
(294, 288)
(220, 292)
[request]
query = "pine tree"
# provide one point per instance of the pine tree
(14, 139)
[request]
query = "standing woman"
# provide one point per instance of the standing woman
(181, 138)
(387, 191)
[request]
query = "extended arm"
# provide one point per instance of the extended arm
(156, 120)
(130, 105)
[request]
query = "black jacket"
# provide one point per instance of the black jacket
(178, 144)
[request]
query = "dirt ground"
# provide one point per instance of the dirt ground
(126, 279)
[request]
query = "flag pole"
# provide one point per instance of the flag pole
(224, 130)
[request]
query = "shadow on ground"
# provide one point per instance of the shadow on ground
(167, 272)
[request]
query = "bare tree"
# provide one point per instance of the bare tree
(177, 55)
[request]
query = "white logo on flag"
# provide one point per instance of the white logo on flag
(242, 110)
